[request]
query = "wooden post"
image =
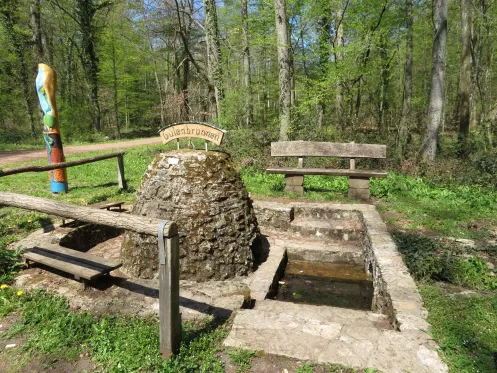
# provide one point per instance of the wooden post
(169, 315)
(120, 171)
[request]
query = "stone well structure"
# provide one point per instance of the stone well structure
(202, 192)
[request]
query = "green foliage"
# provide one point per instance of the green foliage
(447, 209)
(15, 224)
(241, 358)
(342, 369)
(432, 259)
(464, 326)
(306, 368)
(9, 265)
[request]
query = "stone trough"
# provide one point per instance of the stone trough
(390, 335)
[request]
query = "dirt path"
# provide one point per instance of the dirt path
(12, 156)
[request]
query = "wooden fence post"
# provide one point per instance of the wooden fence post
(169, 315)
(120, 171)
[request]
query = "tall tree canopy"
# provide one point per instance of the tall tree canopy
(353, 70)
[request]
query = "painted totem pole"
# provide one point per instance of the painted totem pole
(46, 86)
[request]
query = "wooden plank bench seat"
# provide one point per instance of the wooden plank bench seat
(104, 205)
(358, 179)
(84, 267)
(107, 205)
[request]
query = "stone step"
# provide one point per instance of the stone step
(324, 213)
(323, 334)
(346, 230)
(324, 251)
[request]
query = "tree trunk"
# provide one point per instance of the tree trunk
(85, 11)
(15, 34)
(246, 65)
(324, 57)
(437, 87)
(465, 73)
(37, 40)
(385, 79)
(339, 44)
(214, 52)
(405, 119)
(114, 80)
(184, 91)
(284, 68)
(159, 86)
(37, 44)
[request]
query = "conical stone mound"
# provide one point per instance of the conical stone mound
(204, 194)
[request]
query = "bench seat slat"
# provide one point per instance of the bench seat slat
(106, 205)
(327, 149)
(326, 171)
(80, 264)
(95, 260)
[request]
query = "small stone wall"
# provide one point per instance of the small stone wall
(396, 294)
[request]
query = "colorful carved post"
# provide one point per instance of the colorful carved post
(46, 86)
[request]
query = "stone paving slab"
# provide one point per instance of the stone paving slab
(323, 334)
(325, 251)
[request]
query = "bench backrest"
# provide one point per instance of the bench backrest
(327, 149)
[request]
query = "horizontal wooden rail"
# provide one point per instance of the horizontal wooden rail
(18, 170)
(134, 223)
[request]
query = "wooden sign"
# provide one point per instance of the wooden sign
(192, 129)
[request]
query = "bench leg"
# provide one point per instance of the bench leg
(85, 282)
(359, 188)
(294, 184)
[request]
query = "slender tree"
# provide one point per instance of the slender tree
(19, 40)
(37, 44)
(246, 64)
(85, 11)
(405, 119)
(465, 73)
(437, 87)
(339, 54)
(214, 52)
(324, 27)
(284, 65)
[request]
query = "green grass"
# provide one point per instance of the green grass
(118, 343)
(241, 358)
(450, 210)
(465, 327)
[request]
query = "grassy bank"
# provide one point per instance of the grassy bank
(457, 282)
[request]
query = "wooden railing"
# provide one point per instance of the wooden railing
(120, 166)
(168, 240)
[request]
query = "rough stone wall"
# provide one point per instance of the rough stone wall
(204, 194)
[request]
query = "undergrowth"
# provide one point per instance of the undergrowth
(433, 259)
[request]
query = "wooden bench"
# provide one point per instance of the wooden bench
(104, 205)
(358, 179)
(85, 267)
(107, 205)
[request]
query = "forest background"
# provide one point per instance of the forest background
(413, 74)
